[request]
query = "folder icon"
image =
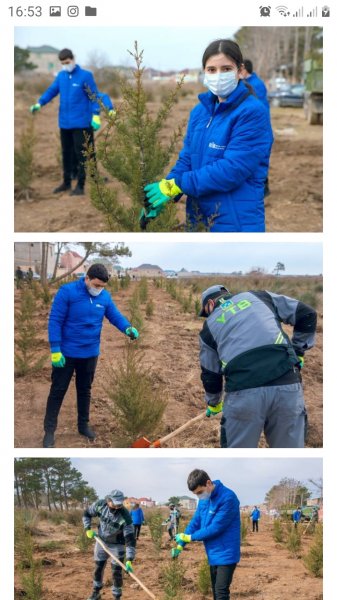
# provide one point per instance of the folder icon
(90, 11)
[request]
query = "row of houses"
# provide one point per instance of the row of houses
(185, 502)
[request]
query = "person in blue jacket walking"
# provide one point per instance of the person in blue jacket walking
(255, 516)
(216, 523)
(297, 516)
(74, 330)
(78, 116)
(137, 519)
(224, 161)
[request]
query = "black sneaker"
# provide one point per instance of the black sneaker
(96, 595)
(64, 187)
(48, 440)
(77, 191)
(87, 432)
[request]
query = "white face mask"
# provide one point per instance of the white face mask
(95, 291)
(221, 84)
(204, 496)
(69, 67)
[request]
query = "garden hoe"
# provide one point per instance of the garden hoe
(145, 443)
(118, 562)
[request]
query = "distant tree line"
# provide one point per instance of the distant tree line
(51, 482)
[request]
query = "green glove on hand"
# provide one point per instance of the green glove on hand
(112, 113)
(57, 359)
(96, 122)
(300, 363)
(160, 192)
(128, 566)
(132, 333)
(176, 551)
(214, 410)
(35, 108)
(183, 537)
(91, 534)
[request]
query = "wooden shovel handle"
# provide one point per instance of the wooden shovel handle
(121, 564)
(179, 430)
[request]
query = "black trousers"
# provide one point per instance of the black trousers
(221, 579)
(255, 525)
(137, 529)
(84, 369)
(74, 145)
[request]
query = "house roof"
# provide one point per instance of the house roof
(43, 49)
(148, 266)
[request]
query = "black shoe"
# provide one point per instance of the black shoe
(64, 187)
(87, 432)
(48, 440)
(96, 595)
(78, 191)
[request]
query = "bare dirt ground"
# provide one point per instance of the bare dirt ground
(170, 347)
(295, 203)
(266, 571)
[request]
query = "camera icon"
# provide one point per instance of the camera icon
(73, 11)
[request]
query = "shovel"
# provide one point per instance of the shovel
(119, 562)
(145, 443)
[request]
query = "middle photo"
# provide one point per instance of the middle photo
(212, 346)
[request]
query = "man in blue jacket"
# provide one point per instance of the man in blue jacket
(78, 116)
(137, 516)
(216, 523)
(75, 324)
(297, 516)
(255, 516)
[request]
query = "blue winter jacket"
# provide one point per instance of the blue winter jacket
(216, 522)
(259, 88)
(297, 514)
(78, 92)
(224, 162)
(255, 514)
(106, 100)
(137, 516)
(76, 317)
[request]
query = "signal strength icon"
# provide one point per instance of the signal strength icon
(313, 12)
(299, 12)
(283, 10)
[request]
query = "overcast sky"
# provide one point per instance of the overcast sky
(298, 258)
(161, 478)
(164, 47)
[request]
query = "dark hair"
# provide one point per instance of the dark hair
(196, 478)
(226, 47)
(98, 271)
(248, 65)
(65, 53)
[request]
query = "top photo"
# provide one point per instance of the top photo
(168, 129)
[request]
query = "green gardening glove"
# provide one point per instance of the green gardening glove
(57, 359)
(300, 363)
(35, 108)
(160, 192)
(128, 566)
(96, 122)
(183, 537)
(91, 534)
(132, 333)
(176, 551)
(214, 410)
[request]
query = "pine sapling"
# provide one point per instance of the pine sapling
(24, 167)
(173, 577)
(26, 340)
(204, 578)
(314, 559)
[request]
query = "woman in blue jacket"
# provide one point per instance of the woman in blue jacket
(137, 519)
(216, 523)
(224, 161)
(74, 331)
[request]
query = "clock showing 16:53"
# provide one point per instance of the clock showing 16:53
(25, 11)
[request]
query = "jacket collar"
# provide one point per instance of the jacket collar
(209, 100)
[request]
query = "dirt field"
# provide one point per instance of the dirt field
(266, 571)
(170, 346)
(295, 203)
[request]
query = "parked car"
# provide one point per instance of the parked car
(287, 95)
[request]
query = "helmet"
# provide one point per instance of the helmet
(116, 496)
(212, 292)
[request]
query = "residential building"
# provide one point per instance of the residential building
(29, 254)
(45, 58)
(187, 503)
(146, 270)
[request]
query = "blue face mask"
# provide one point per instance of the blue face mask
(221, 84)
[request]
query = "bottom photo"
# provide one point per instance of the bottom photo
(168, 528)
